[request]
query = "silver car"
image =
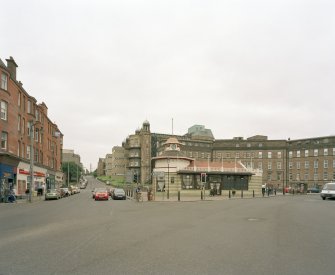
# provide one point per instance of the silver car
(328, 191)
(52, 194)
(119, 194)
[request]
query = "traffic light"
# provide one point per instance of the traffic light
(203, 177)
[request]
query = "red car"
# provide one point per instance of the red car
(101, 194)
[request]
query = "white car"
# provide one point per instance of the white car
(328, 191)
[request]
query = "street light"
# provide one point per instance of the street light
(31, 170)
(168, 192)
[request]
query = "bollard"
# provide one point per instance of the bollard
(253, 193)
(201, 195)
(178, 195)
(242, 194)
(229, 195)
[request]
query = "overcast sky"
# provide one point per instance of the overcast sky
(238, 67)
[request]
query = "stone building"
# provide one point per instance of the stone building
(101, 169)
(298, 164)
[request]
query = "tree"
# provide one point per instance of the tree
(71, 169)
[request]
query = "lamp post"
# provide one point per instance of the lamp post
(31, 169)
(68, 174)
(168, 191)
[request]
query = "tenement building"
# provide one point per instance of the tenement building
(298, 164)
(26, 131)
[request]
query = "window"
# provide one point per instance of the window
(29, 106)
(334, 163)
(316, 177)
(290, 176)
(19, 99)
(279, 165)
(19, 123)
(325, 163)
(237, 155)
(269, 166)
(290, 164)
(290, 154)
(23, 125)
(260, 155)
(316, 164)
(260, 165)
(325, 152)
(18, 148)
(278, 176)
(279, 155)
(36, 135)
(325, 176)
(298, 165)
(307, 164)
(4, 81)
(4, 138)
(306, 153)
(306, 176)
(316, 152)
(269, 155)
(298, 177)
(269, 177)
(298, 154)
(4, 110)
(28, 152)
(22, 150)
(333, 151)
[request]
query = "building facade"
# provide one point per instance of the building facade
(297, 164)
(26, 130)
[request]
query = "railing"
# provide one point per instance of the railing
(221, 169)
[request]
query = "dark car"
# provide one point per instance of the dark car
(313, 190)
(119, 194)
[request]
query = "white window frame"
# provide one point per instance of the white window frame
(306, 153)
(306, 164)
(269, 155)
(4, 81)
(325, 163)
(4, 140)
(316, 152)
(4, 110)
(325, 152)
(298, 154)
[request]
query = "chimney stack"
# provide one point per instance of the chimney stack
(11, 65)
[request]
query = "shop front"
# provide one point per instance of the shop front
(7, 180)
(39, 181)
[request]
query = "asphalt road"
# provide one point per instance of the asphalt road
(77, 235)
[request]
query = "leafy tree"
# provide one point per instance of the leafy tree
(71, 169)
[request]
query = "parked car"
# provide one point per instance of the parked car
(119, 194)
(328, 191)
(313, 190)
(65, 192)
(101, 194)
(52, 194)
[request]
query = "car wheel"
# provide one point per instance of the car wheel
(323, 198)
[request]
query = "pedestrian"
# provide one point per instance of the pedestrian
(263, 189)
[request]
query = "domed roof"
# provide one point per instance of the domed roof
(172, 140)
(146, 122)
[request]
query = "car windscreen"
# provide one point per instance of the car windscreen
(329, 187)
